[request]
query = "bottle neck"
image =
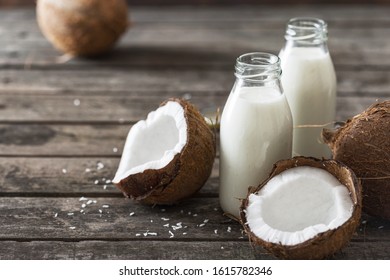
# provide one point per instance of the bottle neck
(258, 70)
(306, 32)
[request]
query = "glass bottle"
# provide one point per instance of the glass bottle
(309, 82)
(255, 128)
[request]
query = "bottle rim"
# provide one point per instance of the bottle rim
(261, 66)
(306, 29)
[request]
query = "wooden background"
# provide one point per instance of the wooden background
(220, 2)
(63, 126)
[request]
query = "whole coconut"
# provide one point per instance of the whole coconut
(363, 144)
(82, 27)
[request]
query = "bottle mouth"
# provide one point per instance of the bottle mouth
(258, 66)
(311, 30)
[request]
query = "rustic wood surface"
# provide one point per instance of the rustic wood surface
(63, 124)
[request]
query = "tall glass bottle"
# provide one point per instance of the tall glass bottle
(309, 82)
(255, 129)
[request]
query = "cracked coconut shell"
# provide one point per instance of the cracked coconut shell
(82, 27)
(184, 167)
(318, 245)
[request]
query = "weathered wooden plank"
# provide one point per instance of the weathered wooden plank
(69, 177)
(93, 109)
(146, 82)
(40, 218)
(197, 47)
(46, 218)
(167, 250)
(119, 219)
(30, 109)
(106, 80)
(130, 250)
(81, 140)
(184, 13)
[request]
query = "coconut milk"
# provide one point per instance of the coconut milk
(256, 131)
(309, 83)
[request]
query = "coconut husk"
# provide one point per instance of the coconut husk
(326, 243)
(363, 144)
(82, 27)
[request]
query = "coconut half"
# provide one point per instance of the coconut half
(306, 209)
(167, 157)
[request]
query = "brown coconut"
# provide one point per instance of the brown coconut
(82, 27)
(324, 244)
(185, 174)
(363, 144)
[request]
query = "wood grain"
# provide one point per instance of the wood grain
(63, 124)
(167, 250)
(59, 218)
(70, 176)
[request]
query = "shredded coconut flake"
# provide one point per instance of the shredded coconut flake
(55, 215)
(70, 214)
(64, 171)
(76, 102)
(83, 198)
(131, 214)
(105, 206)
(99, 165)
(72, 227)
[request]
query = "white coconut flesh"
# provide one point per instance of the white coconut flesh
(154, 142)
(298, 204)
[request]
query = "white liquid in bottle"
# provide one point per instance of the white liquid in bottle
(256, 131)
(309, 83)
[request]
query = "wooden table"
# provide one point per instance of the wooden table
(63, 126)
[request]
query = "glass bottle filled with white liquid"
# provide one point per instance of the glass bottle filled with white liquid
(309, 82)
(255, 128)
